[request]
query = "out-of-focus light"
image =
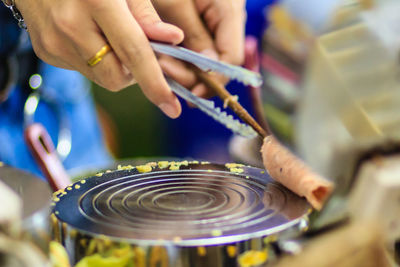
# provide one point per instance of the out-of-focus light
(35, 81)
(31, 105)
(63, 148)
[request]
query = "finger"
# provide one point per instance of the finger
(229, 39)
(225, 20)
(178, 71)
(133, 49)
(109, 72)
(197, 36)
(151, 23)
(202, 91)
(42, 50)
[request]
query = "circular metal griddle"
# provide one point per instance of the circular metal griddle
(197, 205)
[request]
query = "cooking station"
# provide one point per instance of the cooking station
(190, 213)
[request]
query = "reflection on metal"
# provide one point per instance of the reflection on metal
(175, 212)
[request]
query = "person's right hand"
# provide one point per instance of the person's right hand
(66, 33)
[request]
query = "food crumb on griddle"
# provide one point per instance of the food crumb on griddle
(125, 168)
(152, 164)
(233, 165)
(174, 167)
(83, 181)
(163, 164)
(144, 168)
(99, 174)
(77, 186)
(69, 188)
(216, 232)
(236, 170)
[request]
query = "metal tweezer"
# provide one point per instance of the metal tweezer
(206, 64)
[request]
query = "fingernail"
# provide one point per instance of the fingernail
(210, 53)
(171, 110)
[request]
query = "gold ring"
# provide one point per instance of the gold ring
(99, 55)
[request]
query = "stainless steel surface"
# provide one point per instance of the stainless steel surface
(207, 64)
(204, 205)
(209, 108)
(36, 198)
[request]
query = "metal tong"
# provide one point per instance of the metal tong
(202, 65)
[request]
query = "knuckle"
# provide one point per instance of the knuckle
(132, 56)
(112, 81)
(66, 23)
(112, 85)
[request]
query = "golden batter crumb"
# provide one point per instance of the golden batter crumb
(163, 164)
(144, 168)
(99, 174)
(125, 168)
(83, 181)
(236, 170)
(233, 165)
(77, 186)
(69, 188)
(232, 98)
(152, 164)
(216, 232)
(174, 167)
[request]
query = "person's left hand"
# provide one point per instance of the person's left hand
(212, 27)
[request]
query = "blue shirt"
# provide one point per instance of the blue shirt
(65, 95)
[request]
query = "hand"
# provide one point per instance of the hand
(212, 27)
(66, 33)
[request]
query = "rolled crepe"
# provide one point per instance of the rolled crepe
(291, 172)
